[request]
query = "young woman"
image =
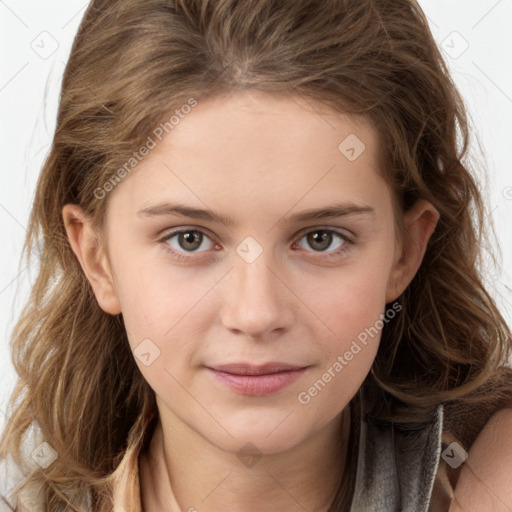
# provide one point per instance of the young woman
(260, 286)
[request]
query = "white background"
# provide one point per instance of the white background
(29, 89)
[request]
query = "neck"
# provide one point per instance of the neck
(183, 471)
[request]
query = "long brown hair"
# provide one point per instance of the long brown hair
(133, 62)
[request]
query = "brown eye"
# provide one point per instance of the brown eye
(190, 240)
(320, 240)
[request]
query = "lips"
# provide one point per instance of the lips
(249, 369)
(260, 380)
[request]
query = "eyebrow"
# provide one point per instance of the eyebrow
(335, 210)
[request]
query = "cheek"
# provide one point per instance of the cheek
(352, 312)
(155, 297)
(351, 304)
(349, 301)
(165, 311)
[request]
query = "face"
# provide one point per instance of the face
(255, 277)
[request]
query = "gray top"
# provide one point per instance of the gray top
(396, 467)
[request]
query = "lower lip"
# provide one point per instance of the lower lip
(258, 385)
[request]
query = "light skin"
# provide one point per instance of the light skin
(484, 480)
(260, 160)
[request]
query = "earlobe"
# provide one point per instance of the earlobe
(86, 244)
(419, 224)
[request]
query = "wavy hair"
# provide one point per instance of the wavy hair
(133, 62)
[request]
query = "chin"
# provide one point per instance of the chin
(259, 444)
(268, 435)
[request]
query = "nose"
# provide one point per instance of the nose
(257, 303)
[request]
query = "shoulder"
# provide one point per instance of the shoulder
(484, 482)
(12, 476)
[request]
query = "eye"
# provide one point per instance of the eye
(186, 241)
(321, 239)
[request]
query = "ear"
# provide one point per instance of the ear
(419, 223)
(87, 245)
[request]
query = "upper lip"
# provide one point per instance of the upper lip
(251, 369)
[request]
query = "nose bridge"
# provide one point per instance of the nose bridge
(257, 303)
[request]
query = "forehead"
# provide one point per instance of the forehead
(251, 120)
(259, 150)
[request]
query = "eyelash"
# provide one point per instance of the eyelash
(180, 255)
